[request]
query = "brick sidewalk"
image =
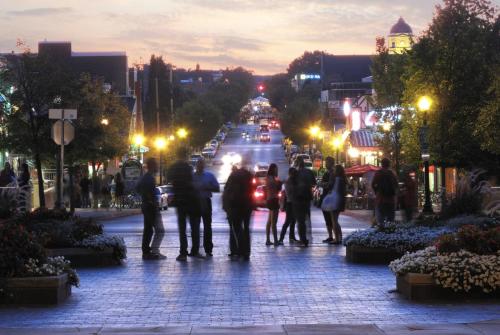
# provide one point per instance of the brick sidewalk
(283, 286)
(479, 328)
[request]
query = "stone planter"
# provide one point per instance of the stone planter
(36, 290)
(420, 286)
(369, 255)
(85, 257)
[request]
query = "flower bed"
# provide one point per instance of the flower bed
(390, 241)
(81, 240)
(27, 276)
(460, 262)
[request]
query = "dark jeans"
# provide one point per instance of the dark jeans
(385, 212)
(289, 222)
(206, 215)
(85, 199)
(152, 224)
(194, 221)
(301, 211)
(239, 235)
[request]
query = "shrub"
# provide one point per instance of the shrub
(85, 228)
(471, 238)
(53, 266)
(17, 245)
(100, 242)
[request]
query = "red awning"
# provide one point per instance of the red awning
(359, 170)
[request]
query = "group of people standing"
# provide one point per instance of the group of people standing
(192, 198)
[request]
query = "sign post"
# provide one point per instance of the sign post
(59, 128)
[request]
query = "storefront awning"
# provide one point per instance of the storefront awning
(359, 170)
(363, 139)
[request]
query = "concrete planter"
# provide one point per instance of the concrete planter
(36, 290)
(85, 257)
(420, 286)
(369, 255)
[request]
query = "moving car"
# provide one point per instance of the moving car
(264, 137)
(264, 128)
(259, 196)
(231, 158)
(259, 178)
(275, 124)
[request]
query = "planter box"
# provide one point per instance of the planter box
(368, 255)
(85, 257)
(37, 290)
(420, 286)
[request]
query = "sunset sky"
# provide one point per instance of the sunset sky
(263, 36)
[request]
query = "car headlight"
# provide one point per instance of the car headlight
(226, 159)
(236, 159)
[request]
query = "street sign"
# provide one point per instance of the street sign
(69, 114)
(69, 132)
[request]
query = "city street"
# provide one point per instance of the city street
(279, 286)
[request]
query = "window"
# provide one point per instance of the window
(393, 44)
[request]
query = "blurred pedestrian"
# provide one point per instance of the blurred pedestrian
(7, 176)
(409, 196)
(288, 206)
(24, 196)
(238, 204)
(85, 184)
(327, 185)
(205, 183)
(339, 181)
(273, 188)
(302, 197)
(153, 224)
(96, 189)
(119, 191)
(385, 185)
(186, 201)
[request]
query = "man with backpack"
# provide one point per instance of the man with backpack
(385, 185)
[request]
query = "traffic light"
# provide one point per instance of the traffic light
(260, 88)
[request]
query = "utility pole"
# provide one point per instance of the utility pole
(157, 107)
(172, 95)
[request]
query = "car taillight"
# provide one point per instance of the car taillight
(254, 181)
(279, 195)
(258, 194)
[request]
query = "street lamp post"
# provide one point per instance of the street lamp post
(337, 143)
(424, 104)
(160, 144)
(315, 132)
(138, 141)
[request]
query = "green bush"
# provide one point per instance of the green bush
(471, 238)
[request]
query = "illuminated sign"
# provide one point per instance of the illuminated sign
(356, 119)
(305, 76)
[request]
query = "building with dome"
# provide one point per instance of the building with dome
(400, 37)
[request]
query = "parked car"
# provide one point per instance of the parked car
(161, 198)
(208, 152)
(194, 158)
(214, 143)
(167, 192)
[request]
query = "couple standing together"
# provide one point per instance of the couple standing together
(192, 198)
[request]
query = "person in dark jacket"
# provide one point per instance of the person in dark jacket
(85, 184)
(119, 191)
(339, 182)
(326, 184)
(302, 198)
(187, 202)
(290, 217)
(238, 204)
(385, 185)
(152, 220)
(409, 196)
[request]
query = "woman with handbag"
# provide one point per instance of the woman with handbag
(273, 188)
(334, 202)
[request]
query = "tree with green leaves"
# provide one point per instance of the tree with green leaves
(39, 84)
(302, 113)
(102, 124)
(451, 63)
(279, 91)
(201, 118)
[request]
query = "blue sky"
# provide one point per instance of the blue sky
(263, 36)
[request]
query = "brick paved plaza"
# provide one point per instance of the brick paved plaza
(288, 285)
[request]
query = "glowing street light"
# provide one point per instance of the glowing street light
(171, 138)
(105, 122)
(337, 144)
(386, 126)
(314, 131)
(182, 133)
(160, 145)
(424, 103)
(138, 139)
